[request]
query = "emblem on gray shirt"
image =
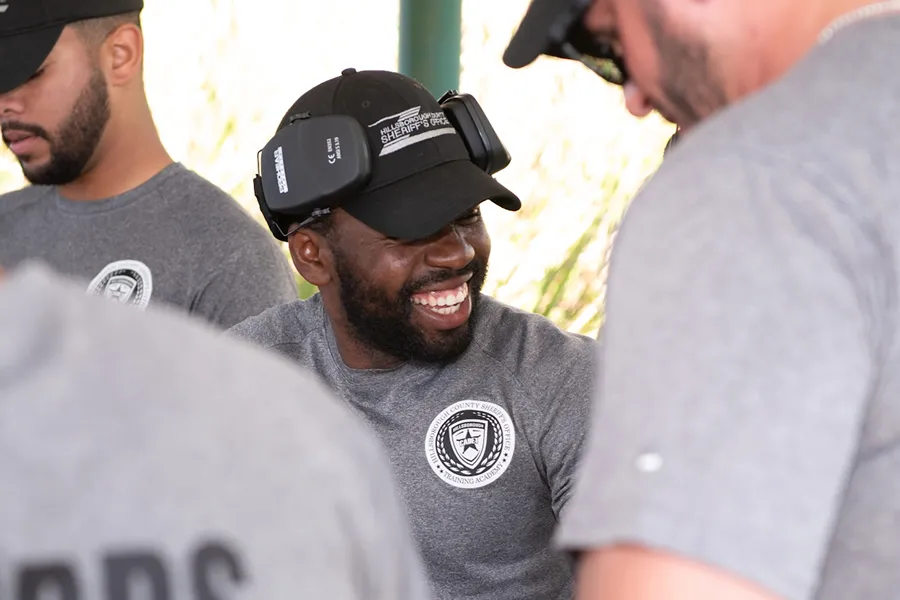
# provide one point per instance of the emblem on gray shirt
(470, 443)
(124, 281)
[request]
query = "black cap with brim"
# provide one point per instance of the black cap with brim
(534, 37)
(422, 204)
(29, 29)
(21, 55)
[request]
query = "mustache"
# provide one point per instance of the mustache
(35, 130)
(475, 267)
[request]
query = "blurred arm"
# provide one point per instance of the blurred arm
(635, 573)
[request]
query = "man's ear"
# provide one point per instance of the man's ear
(312, 257)
(122, 54)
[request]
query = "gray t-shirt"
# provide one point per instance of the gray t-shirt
(747, 415)
(144, 456)
(484, 448)
(176, 240)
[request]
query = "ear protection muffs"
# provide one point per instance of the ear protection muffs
(311, 164)
(316, 162)
(467, 117)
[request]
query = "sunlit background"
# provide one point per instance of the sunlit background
(221, 73)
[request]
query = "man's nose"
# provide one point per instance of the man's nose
(636, 101)
(450, 250)
(11, 104)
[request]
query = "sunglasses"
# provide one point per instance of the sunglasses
(570, 39)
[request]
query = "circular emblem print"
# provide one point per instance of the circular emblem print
(124, 281)
(470, 444)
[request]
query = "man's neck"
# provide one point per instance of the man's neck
(845, 9)
(797, 33)
(128, 155)
(355, 353)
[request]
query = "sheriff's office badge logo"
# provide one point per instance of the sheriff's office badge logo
(470, 443)
(124, 281)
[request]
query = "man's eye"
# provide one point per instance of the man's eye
(470, 217)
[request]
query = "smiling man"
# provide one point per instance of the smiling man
(482, 407)
(744, 441)
(106, 204)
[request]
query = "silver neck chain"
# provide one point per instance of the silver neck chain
(865, 12)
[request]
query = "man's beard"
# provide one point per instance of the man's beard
(385, 324)
(76, 141)
(691, 87)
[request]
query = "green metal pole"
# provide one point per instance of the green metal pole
(431, 42)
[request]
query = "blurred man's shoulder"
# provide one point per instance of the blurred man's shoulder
(160, 347)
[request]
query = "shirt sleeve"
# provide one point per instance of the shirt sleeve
(737, 359)
(252, 279)
(565, 426)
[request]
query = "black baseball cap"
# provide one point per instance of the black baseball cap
(29, 29)
(546, 24)
(556, 28)
(422, 175)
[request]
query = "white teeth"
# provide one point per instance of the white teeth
(445, 304)
(449, 310)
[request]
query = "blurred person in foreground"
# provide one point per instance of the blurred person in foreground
(130, 470)
(744, 434)
(482, 407)
(107, 204)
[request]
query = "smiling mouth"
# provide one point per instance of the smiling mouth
(443, 302)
